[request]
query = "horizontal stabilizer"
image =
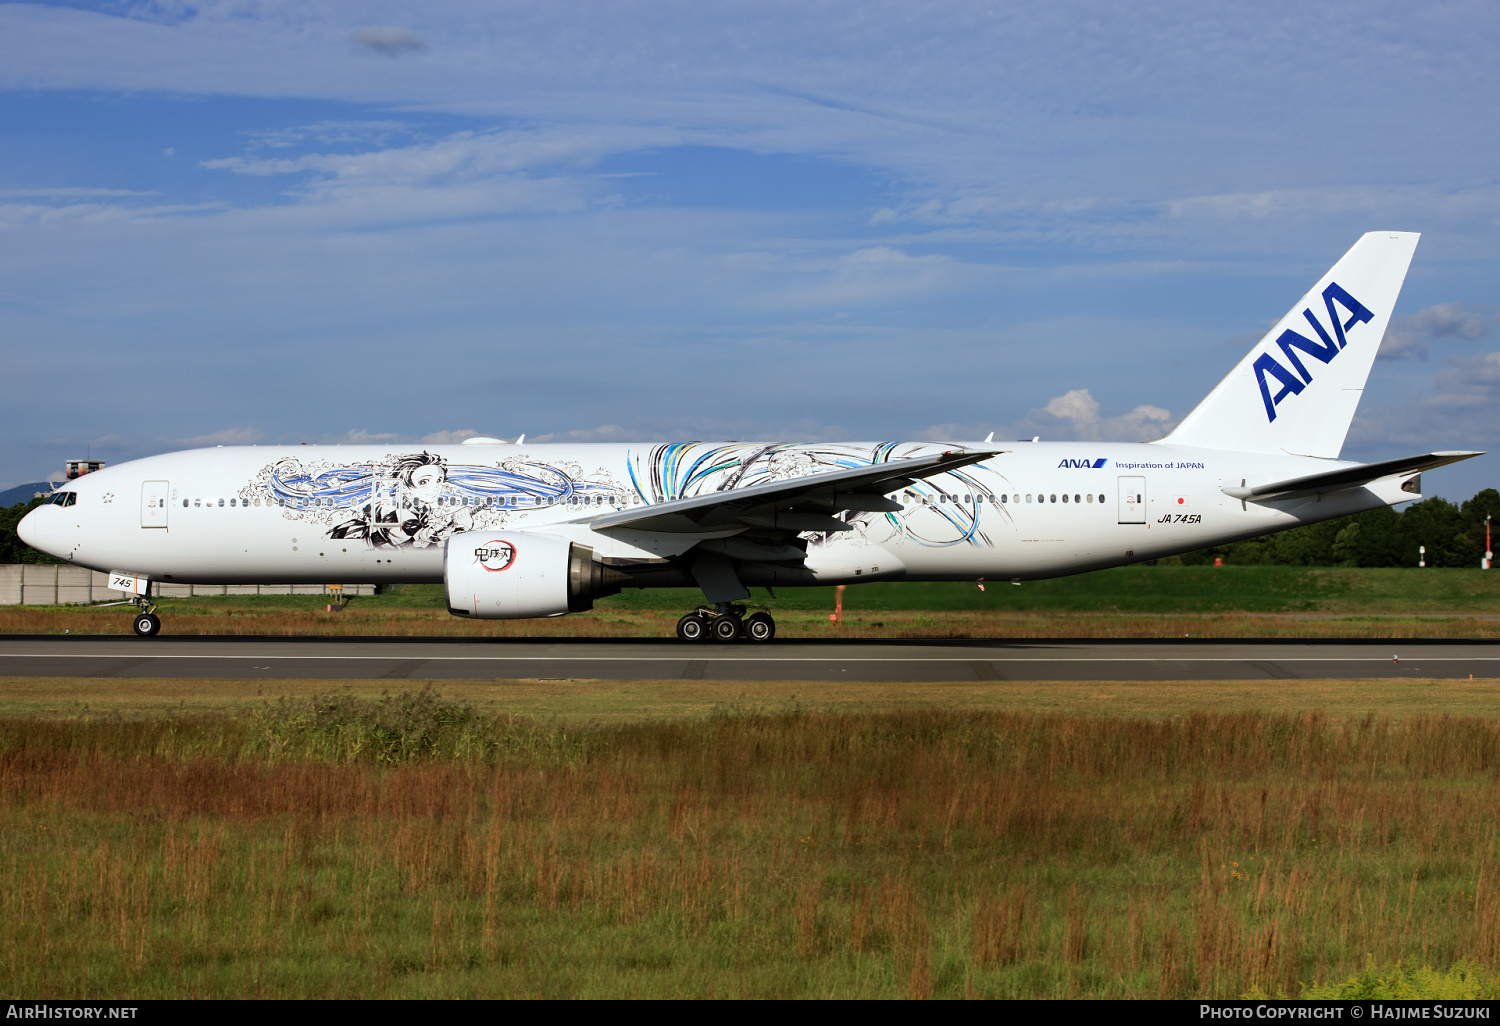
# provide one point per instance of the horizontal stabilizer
(794, 505)
(1346, 477)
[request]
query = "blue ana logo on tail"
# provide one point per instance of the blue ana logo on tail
(1324, 349)
(1082, 464)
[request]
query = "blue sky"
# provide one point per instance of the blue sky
(252, 221)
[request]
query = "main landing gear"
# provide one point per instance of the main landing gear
(728, 622)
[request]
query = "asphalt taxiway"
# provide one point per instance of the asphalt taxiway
(653, 659)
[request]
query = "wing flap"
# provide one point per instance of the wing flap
(1345, 477)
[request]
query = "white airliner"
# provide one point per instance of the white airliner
(517, 530)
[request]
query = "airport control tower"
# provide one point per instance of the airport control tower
(77, 468)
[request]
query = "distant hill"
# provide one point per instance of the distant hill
(23, 493)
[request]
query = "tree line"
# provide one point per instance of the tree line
(1453, 535)
(12, 548)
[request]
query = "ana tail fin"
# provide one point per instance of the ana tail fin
(1297, 389)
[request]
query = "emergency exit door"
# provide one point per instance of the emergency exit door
(154, 495)
(1132, 500)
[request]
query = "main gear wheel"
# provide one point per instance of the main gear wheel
(693, 627)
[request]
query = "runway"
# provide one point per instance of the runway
(653, 659)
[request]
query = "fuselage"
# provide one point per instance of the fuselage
(381, 514)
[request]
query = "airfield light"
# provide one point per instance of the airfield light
(1489, 553)
(1421, 555)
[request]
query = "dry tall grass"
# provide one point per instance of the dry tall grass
(771, 854)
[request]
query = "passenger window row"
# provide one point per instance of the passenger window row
(1053, 498)
(942, 497)
(510, 501)
(232, 502)
(70, 498)
(1005, 498)
(514, 501)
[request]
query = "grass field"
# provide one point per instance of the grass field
(574, 702)
(171, 838)
(1162, 601)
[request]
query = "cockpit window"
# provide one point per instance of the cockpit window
(71, 500)
(61, 499)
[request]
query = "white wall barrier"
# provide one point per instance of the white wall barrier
(49, 584)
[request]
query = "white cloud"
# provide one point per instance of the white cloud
(989, 104)
(1456, 411)
(705, 428)
(365, 133)
(359, 436)
(602, 433)
(874, 274)
(389, 40)
(465, 174)
(74, 193)
(1467, 381)
(1411, 336)
(1074, 415)
(92, 215)
(448, 437)
(228, 436)
(1079, 408)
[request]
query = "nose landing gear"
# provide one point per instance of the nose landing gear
(726, 623)
(146, 624)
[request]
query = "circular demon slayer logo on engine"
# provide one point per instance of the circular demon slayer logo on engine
(495, 555)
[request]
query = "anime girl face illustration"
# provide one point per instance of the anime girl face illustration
(416, 499)
(410, 516)
(426, 483)
(420, 476)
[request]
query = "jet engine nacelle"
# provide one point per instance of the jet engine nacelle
(510, 575)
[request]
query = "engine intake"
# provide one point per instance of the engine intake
(512, 575)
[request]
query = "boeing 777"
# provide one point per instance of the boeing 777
(515, 530)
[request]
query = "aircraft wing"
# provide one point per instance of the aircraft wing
(794, 505)
(1345, 477)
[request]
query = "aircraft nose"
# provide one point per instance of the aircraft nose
(43, 530)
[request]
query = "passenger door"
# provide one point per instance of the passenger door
(1132, 500)
(154, 496)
